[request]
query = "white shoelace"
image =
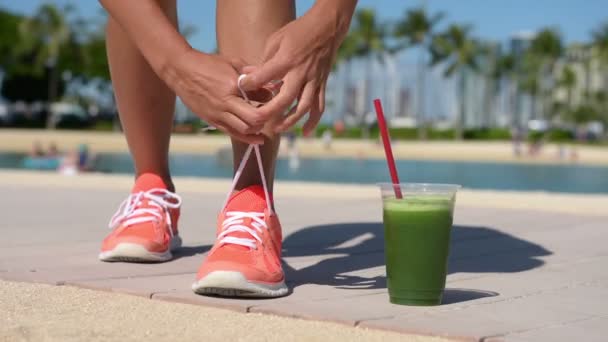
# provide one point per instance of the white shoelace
(130, 212)
(234, 221)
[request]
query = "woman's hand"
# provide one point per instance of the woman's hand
(301, 54)
(207, 84)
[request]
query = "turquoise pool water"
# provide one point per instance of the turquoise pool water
(474, 175)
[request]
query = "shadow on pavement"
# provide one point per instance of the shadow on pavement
(452, 296)
(352, 247)
(188, 251)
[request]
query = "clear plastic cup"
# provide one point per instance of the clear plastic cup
(417, 231)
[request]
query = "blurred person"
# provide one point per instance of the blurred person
(86, 159)
(53, 151)
(327, 138)
(151, 63)
(69, 164)
(291, 139)
(36, 151)
(517, 136)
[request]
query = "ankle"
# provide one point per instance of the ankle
(165, 177)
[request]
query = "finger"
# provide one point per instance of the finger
(246, 138)
(273, 69)
(316, 112)
(274, 86)
(266, 92)
(238, 125)
(284, 99)
(256, 139)
(304, 104)
(272, 46)
(245, 111)
(248, 69)
(239, 65)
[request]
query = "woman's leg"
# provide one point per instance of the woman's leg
(242, 30)
(145, 103)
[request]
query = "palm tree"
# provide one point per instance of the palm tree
(415, 29)
(460, 52)
(599, 39)
(494, 72)
(501, 70)
(547, 47)
(46, 33)
(366, 39)
(568, 82)
(528, 80)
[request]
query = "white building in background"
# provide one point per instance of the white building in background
(588, 74)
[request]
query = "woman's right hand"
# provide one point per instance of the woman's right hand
(207, 84)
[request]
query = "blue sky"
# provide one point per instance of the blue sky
(492, 19)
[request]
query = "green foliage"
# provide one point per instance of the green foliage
(487, 134)
(583, 114)
(456, 47)
(599, 38)
(554, 135)
(366, 37)
(547, 44)
(407, 133)
(103, 126)
(27, 87)
(9, 26)
(53, 40)
(416, 27)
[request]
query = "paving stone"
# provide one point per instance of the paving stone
(588, 330)
(548, 277)
(489, 319)
(189, 297)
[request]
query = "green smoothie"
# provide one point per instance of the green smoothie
(417, 239)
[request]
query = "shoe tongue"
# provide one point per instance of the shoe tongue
(148, 181)
(250, 199)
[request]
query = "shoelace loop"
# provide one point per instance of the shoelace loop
(234, 222)
(130, 211)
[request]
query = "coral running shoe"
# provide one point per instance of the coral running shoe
(144, 229)
(245, 260)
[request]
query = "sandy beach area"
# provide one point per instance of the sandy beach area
(36, 312)
(22, 140)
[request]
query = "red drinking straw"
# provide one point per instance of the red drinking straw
(386, 140)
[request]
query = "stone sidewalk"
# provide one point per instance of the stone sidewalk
(515, 275)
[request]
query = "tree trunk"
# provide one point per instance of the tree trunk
(587, 66)
(52, 95)
(366, 97)
(347, 83)
(488, 100)
(547, 92)
(460, 121)
(533, 99)
(420, 117)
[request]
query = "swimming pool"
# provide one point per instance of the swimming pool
(474, 175)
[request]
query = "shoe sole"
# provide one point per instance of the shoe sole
(136, 253)
(234, 284)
